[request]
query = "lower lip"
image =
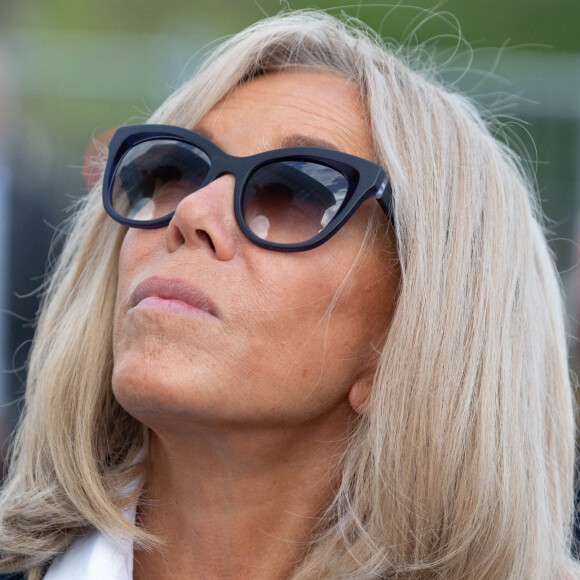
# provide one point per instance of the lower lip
(172, 306)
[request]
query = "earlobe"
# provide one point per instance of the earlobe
(359, 394)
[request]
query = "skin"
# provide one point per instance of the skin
(248, 410)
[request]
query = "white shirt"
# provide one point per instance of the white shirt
(94, 557)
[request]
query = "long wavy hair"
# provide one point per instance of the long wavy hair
(462, 464)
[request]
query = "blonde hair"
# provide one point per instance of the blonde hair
(462, 466)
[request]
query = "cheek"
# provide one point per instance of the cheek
(328, 322)
(363, 313)
(135, 250)
(132, 344)
(137, 253)
(365, 303)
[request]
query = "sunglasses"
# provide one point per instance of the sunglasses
(287, 200)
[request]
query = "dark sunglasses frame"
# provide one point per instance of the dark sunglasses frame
(366, 179)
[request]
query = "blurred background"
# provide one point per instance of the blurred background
(71, 70)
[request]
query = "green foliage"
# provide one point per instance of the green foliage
(483, 22)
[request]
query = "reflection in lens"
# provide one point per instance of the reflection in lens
(296, 198)
(143, 209)
(154, 176)
(260, 226)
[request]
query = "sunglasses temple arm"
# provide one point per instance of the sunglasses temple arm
(384, 196)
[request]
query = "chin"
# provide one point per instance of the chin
(146, 387)
(157, 396)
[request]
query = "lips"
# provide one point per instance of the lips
(173, 290)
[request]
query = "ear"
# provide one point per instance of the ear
(360, 393)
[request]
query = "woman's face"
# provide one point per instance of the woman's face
(211, 330)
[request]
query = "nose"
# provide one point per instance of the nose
(205, 220)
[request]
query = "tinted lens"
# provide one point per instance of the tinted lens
(288, 202)
(154, 176)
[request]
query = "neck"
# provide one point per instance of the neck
(237, 503)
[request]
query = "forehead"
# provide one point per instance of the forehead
(279, 109)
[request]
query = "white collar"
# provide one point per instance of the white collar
(94, 557)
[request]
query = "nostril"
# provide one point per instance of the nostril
(203, 235)
(181, 238)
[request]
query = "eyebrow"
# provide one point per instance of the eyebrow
(293, 140)
(298, 140)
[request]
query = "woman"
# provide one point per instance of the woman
(236, 387)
